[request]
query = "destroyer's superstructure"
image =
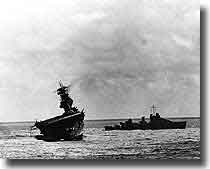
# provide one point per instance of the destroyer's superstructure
(67, 126)
(155, 123)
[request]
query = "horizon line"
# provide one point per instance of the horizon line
(184, 117)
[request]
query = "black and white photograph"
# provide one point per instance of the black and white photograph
(100, 79)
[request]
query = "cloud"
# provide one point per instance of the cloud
(121, 57)
(182, 41)
(86, 18)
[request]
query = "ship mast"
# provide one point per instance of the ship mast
(153, 109)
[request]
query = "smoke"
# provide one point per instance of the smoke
(120, 58)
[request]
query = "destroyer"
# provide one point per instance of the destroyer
(155, 123)
(67, 126)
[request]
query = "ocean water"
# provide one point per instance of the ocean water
(17, 142)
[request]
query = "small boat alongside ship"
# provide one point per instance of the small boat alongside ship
(155, 123)
(68, 126)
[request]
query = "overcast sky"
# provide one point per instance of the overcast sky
(120, 56)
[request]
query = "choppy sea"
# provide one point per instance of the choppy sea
(17, 142)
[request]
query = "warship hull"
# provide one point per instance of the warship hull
(156, 124)
(64, 127)
(173, 125)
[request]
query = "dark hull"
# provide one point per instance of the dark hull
(64, 127)
(172, 125)
(158, 124)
